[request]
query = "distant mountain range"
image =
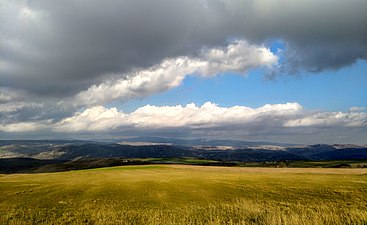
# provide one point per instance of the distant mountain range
(17, 153)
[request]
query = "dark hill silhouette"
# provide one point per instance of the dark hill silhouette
(20, 156)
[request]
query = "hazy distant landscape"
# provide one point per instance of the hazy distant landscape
(63, 155)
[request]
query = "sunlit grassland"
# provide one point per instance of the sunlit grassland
(172, 194)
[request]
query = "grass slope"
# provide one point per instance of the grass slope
(182, 194)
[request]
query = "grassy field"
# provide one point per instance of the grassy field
(182, 194)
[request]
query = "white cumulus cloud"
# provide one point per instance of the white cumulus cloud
(288, 122)
(189, 116)
(238, 56)
(93, 119)
(206, 117)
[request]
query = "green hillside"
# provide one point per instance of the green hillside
(182, 194)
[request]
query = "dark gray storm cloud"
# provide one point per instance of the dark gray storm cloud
(58, 48)
(319, 35)
(70, 45)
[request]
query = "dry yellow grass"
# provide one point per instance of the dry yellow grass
(174, 194)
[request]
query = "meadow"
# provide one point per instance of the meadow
(184, 194)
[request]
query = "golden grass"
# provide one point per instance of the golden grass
(176, 194)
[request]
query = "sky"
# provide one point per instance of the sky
(266, 70)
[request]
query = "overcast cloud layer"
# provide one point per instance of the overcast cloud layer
(60, 60)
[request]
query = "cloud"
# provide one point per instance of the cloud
(238, 57)
(330, 119)
(93, 119)
(60, 48)
(287, 122)
(8, 95)
(207, 116)
(319, 35)
(71, 45)
(4, 97)
(23, 126)
(10, 107)
(357, 109)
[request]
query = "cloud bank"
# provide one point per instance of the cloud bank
(289, 122)
(207, 116)
(191, 116)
